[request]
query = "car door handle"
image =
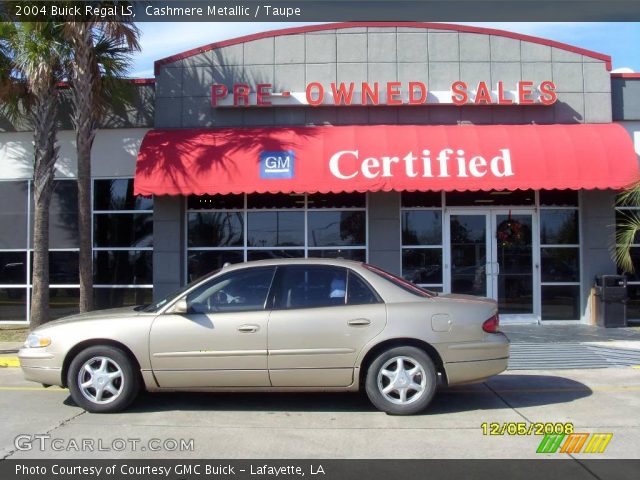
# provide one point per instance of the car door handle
(248, 328)
(359, 322)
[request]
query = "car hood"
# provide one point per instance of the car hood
(97, 314)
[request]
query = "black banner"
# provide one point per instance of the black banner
(329, 10)
(545, 469)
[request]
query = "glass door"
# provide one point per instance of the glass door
(492, 253)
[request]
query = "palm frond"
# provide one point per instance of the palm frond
(627, 230)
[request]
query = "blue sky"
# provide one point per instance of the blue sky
(159, 40)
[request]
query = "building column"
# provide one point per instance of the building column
(597, 226)
(168, 241)
(384, 231)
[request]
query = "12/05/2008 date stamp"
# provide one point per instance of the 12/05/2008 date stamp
(526, 428)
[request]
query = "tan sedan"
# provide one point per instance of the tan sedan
(279, 325)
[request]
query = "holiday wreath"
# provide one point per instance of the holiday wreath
(510, 232)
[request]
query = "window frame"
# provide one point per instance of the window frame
(245, 249)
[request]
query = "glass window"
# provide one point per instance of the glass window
(337, 200)
(275, 200)
(492, 198)
(63, 215)
(117, 194)
(63, 268)
(123, 230)
(13, 198)
(202, 263)
(560, 264)
(328, 228)
(215, 202)
(269, 254)
(558, 198)
(241, 291)
(355, 254)
(312, 286)
(633, 305)
(63, 302)
(121, 297)
(422, 265)
(559, 227)
(275, 229)
(13, 268)
(13, 304)
(122, 267)
(359, 292)
(560, 302)
(422, 227)
(216, 229)
(421, 199)
(635, 258)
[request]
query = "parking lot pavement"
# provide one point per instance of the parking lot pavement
(330, 425)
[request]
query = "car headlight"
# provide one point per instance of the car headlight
(35, 340)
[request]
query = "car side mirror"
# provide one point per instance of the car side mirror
(179, 308)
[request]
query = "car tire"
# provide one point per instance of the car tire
(399, 369)
(102, 379)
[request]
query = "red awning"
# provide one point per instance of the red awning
(385, 157)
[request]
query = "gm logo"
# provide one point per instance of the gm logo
(277, 164)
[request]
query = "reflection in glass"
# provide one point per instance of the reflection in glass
(275, 229)
(356, 254)
(330, 228)
(63, 302)
(560, 264)
(635, 258)
(63, 268)
(560, 302)
(121, 297)
(202, 263)
(215, 229)
(422, 265)
(122, 267)
(117, 194)
(633, 305)
(468, 254)
(275, 200)
(13, 198)
(559, 198)
(559, 227)
(215, 202)
(123, 230)
(422, 227)
(13, 268)
(337, 200)
(269, 254)
(515, 262)
(63, 215)
(13, 304)
(421, 199)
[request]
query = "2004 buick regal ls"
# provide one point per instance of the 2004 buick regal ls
(279, 325)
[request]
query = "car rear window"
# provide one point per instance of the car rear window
(400, 282)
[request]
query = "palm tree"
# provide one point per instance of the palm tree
(32, 61)
(627, 228)
(101, 56)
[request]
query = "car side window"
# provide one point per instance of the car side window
(312, 286)
(359, 292)
(239, 291)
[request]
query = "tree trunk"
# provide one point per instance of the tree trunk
(46, 154)
(84, 98)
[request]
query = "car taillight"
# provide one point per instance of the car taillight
(491, 325)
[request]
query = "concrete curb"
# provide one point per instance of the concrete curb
(9, 362)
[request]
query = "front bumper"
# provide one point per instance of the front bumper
(40, 365)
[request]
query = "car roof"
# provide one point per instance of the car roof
(339, 262)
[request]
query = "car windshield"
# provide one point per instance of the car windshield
(154, 307)
(401, 282)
